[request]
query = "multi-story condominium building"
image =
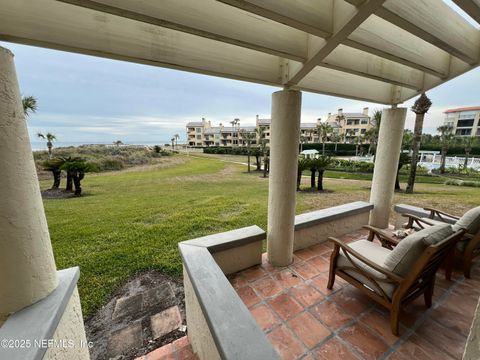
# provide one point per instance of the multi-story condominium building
(202, 133)
(465, 121)
(350, 125)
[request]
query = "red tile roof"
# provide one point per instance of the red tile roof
(470, 108)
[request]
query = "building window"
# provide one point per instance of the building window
(199, 137)
(465, 123)
(364, 121)
(467, 115)
(363, 131)
(463, 132)
(198, 130)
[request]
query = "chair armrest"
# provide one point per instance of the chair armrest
(414, 219)
(440, 214)
(385, 238)
(338, 244)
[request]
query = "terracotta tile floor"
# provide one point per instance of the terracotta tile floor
(304, 320)
(178, 350)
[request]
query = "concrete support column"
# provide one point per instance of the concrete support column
(386, 165)
(284, 141)
(27, 266)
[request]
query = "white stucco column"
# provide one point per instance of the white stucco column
(284, 141)
(27, 266)
(386, 165)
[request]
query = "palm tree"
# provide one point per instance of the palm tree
(76, 168)
(321, 164)
(404, 159)
(335, 138)
(467, 143)
(303, 164)
(263, 146)
(446, 136)
(176, 136)
(29, 105)
(420, 108)
(50, 139)
(54, 165)
(248, 137)
(371, 135)
(173, 143)
(303, 139)
(323, 130)
(357, 141)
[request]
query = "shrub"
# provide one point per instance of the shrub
(462, 183)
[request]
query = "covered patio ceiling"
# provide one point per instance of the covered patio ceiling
(375, 50)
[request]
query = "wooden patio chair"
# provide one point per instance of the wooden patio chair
(469, 245)
(393, 273)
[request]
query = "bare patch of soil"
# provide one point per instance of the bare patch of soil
(102, 324)
(57, 194)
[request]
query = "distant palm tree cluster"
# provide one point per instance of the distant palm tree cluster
(74, 167)
(315, 165)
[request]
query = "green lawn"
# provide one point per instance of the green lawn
(132, 220)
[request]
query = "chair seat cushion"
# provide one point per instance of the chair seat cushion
(470, 221)
(376, 254)
(403, 257)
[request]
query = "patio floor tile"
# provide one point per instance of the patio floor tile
(248, 296)
(285, 306)
(286, 278)
(306, 295)
(286, 344)
(267, 287)
(308, 329)
(265, 317)
(254, 273)
(351, 300)
(367, 344)
(305, 270)
(335, 349)
(331, 314)
(320, 264)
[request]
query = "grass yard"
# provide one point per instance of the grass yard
(132, 220)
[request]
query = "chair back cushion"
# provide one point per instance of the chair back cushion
(470, 221)
(402, 258)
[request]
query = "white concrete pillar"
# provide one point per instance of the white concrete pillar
(284, 141)
(27, 266)
(386, 165)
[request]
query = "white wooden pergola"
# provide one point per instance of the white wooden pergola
(383, 51)
(375, 50)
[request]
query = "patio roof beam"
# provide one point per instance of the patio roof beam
(271, 37)
(345, 26)
(398, 59)
(471, 7)
(313, 18)
(445, 29)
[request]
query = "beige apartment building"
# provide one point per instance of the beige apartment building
(347, 125)
(465, 120)
(350, 125)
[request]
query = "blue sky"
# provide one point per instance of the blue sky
(88, 99)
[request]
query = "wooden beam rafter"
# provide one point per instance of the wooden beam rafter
(360, 14)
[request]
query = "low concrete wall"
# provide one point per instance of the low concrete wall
(315, 227)
(199, 333)
(219, 324)
(52, 328)
(234, 250)
(414, 210)
(71, 332)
